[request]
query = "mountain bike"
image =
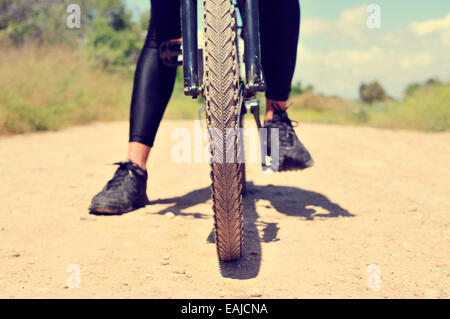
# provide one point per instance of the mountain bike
(213, 72)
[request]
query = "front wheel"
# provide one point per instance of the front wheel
(221, 92)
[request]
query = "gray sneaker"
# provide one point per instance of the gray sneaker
(293, 154)
(125, 192)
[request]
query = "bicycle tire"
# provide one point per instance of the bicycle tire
(221, 93)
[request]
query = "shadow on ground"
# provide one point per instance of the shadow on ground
(286, 200)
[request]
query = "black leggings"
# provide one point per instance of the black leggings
(154, 81)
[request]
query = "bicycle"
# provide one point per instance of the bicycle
(213, 73)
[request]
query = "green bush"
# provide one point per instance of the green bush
(298, 88)
(41, 22)
(412, 88)
(113, 49)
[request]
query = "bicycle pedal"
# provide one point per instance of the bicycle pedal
(251, 104)
(267, 170)
(170, 52)
(267, 166)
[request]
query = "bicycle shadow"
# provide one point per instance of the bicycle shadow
(291, 201)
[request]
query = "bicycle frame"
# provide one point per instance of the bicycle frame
(193, 57)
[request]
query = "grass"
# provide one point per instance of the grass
(427, 109)
(52, 88)
(42, 89)
(45, 89)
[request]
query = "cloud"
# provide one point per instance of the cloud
(396, 58)
(350, 27)
(315, 27)
(439, 27)
(422, 59)
(431, 26)
(352, 24)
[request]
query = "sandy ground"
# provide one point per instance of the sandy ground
(375, 206)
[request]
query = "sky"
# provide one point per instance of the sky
(338, 51)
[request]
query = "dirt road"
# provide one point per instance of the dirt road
(375, 206)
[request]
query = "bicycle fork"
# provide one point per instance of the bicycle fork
(193, 56)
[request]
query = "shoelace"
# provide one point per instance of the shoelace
(119, 176)
(286, 129)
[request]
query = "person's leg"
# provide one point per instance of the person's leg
(153, 81)
(279, 24)
(272, 106)
(138, 154)
(153, 85)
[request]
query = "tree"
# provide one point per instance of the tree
(114, 40)
(38, 21)
(107, 30)
(372, 92)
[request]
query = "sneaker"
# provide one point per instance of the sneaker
(125, 192)
(292, 154)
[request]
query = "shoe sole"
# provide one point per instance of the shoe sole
(289, 168)
(116, 210)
